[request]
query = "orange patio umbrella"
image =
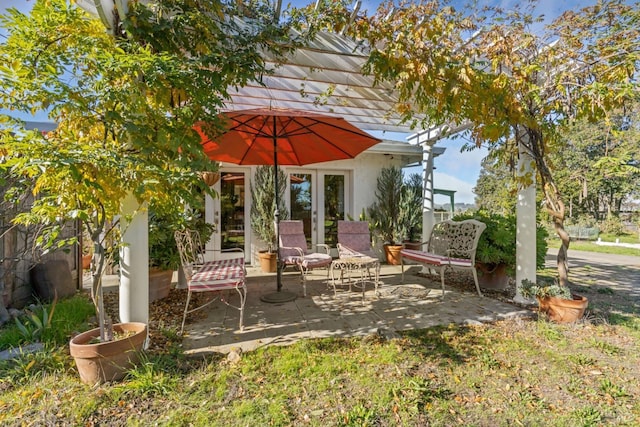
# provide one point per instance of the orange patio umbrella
(285, 137)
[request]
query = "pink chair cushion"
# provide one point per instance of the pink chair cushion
(316, 260)
(423, 257)
(347, 252)
(311, 261)
(218, 275)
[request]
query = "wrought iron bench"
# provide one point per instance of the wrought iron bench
(451, 245)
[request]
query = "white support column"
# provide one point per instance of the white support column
(211, 216)
(428, 220)
(526, 220)
(134, 262)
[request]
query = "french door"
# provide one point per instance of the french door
(319, 198)
(230, 211)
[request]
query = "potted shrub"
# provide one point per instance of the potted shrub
(263, 207)
(385, 212)
(496, 252)
(555, 301)
(164, 257)
(410, 215)
(101, 361)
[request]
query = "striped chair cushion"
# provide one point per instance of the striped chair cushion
(218, 275)
(457, 262)
(423, 257)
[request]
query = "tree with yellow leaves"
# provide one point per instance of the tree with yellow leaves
(511, 80)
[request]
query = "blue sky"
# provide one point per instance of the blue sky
(455, 170)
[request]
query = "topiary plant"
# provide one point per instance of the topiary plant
(385, 211)
(264, 203)
(410, 215)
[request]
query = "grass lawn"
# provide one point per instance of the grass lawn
(585, 245)
(515, 372)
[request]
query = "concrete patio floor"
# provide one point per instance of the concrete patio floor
(416, 304)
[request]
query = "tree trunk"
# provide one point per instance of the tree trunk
(596, 209)
(97, 232)
(8, 274)
(562, 260)
(554, 203)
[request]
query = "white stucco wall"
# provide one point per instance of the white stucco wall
(363, 172)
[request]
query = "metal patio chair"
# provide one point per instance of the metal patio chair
(293, 251)
(354, 240)
(210, 276)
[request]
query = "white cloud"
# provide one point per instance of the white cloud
(464, 165)
(463, 189)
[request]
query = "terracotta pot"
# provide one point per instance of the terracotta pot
(563, 310)
(416, 246)
(159, 283)
(392, 253)
(268, 261)
(107, 361)
(86, 261)
(495, 278)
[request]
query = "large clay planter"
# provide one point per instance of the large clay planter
(563, 310)
(108, 361)
(159, 283)
(392, 253)
(268, 261)
(493, 278)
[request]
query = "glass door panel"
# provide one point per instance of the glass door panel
(319, 199)
(301, 196)
(232, 210)
(334, 206)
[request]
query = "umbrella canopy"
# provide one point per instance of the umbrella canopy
(300, 138)
(286, 137)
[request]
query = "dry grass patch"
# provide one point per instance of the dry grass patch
(516, 372)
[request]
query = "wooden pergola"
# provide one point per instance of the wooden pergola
(325, 76)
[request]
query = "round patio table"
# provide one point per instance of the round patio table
(361, 265)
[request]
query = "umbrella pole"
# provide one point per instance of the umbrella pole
(279, 295)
